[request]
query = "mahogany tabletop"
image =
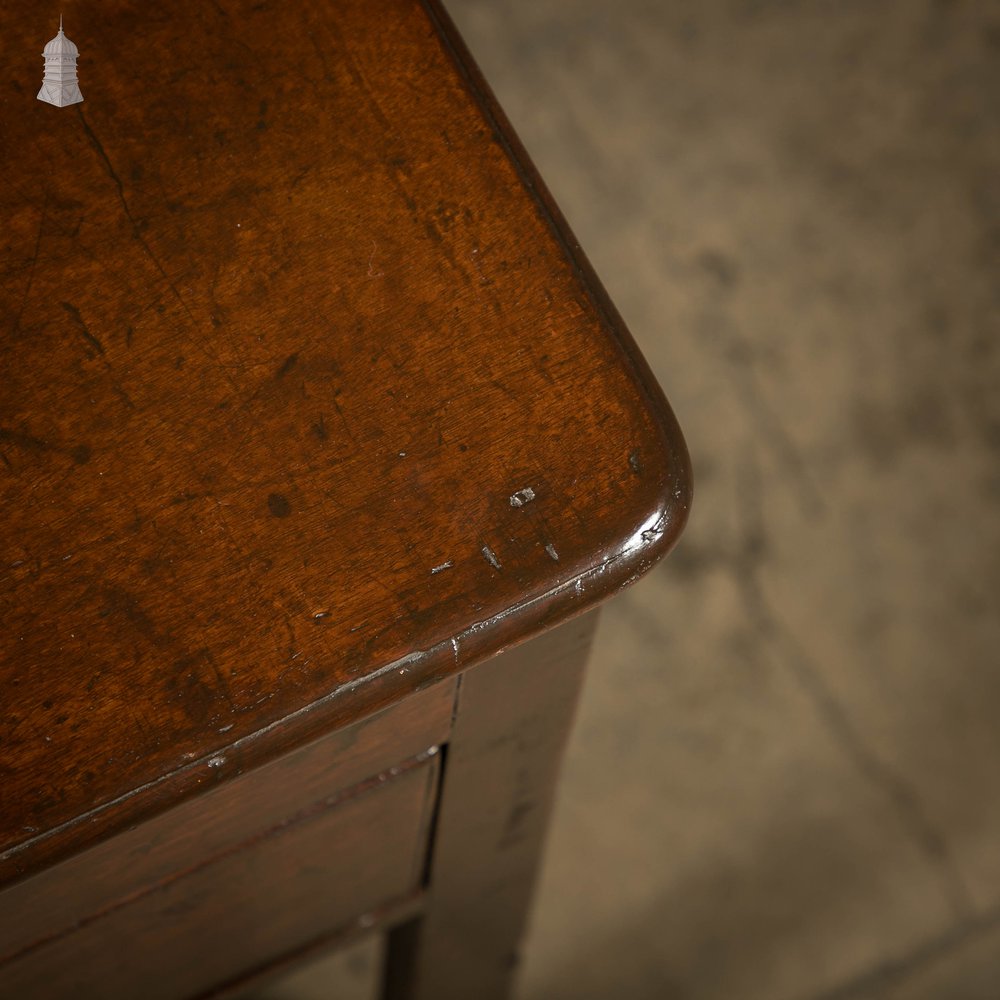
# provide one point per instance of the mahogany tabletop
(309, 397)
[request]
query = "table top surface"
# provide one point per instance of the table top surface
(309, 398)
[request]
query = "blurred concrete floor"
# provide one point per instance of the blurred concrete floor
(785, 777)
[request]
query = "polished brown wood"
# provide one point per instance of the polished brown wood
(310, 402)
(511, 725)
(245, 907)
(286, 320)
(61, 897)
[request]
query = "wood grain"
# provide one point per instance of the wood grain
(287, 318)
(180, 839)
(511, 725)
(247, 907)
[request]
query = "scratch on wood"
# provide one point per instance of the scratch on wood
(522, 497)
(34, 262)
(85, 332)
(551, 550)
(136, 229)
(372, 273)
(442, 567)
(491, 557)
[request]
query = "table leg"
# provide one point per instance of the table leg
(512, 720)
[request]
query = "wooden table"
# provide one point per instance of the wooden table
(311, 407)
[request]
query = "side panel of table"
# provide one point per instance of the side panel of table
(240, 875)
(513, 717)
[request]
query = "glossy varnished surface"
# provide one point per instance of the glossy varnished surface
(286, 323)
(304, 878)
(58, 901)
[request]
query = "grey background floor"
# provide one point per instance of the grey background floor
(785, 778)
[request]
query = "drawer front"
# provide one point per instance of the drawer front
(60, 897)
(291, 883)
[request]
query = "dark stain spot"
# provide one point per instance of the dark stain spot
(179, 361)
(290, 362)
(186, 497)
(19, 439)
(463, 447)
(137, 172)
(150, 567)
(197, 685)
(125, 605)
(279, 505)
(80, 454)
(432, 232)
(318, 429)
(129, 334)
